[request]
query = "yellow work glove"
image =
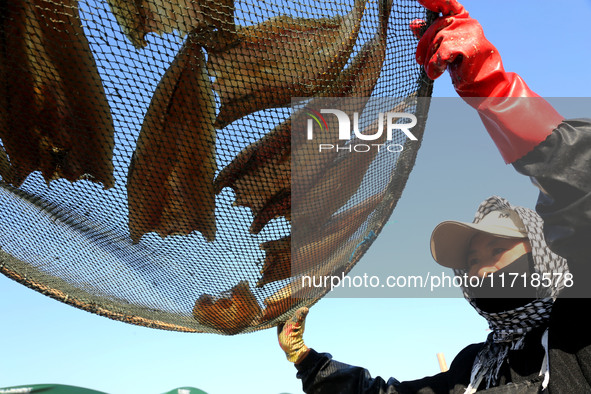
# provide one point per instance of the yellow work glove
(291, 337)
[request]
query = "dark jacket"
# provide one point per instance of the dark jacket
(561, 167)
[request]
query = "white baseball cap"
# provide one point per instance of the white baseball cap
(450, 239)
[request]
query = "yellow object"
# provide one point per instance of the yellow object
(291, 337)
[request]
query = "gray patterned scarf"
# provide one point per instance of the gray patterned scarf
(510, 327)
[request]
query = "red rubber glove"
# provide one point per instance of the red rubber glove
(516, 118)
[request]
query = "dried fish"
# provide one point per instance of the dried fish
(212, 21)
(338, 262)
(170, 181)
(262, 173)
(281, 58)
(279, 205)
(277, 264)
(4, 163)
(283, 300)
(259, 172)
(357, 83)
(229, 313)
(278, 303)
(293, 255)
(268, 161)
(300, 291)
(55, 115)
(346, 219)
(312, 207)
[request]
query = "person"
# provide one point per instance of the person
(539, 338)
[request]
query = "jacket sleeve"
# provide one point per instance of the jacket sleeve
(561, 168)
(320, 374)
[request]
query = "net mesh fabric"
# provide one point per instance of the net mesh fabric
(117, 119)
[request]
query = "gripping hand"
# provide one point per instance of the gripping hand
(291, 337)
(516, 118)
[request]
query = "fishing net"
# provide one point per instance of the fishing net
(147, 149)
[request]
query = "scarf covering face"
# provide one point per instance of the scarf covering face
(510, 327)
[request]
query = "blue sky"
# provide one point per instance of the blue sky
(49, 342)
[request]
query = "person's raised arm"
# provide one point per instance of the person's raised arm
(516, 118)
(320, 374)
(529, 133)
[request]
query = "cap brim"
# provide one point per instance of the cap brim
(450, 240)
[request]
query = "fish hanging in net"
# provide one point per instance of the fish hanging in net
(170, 182)
(281, 58)
(55, 115)
(155, 169)
(261, 175)
(210, 21)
